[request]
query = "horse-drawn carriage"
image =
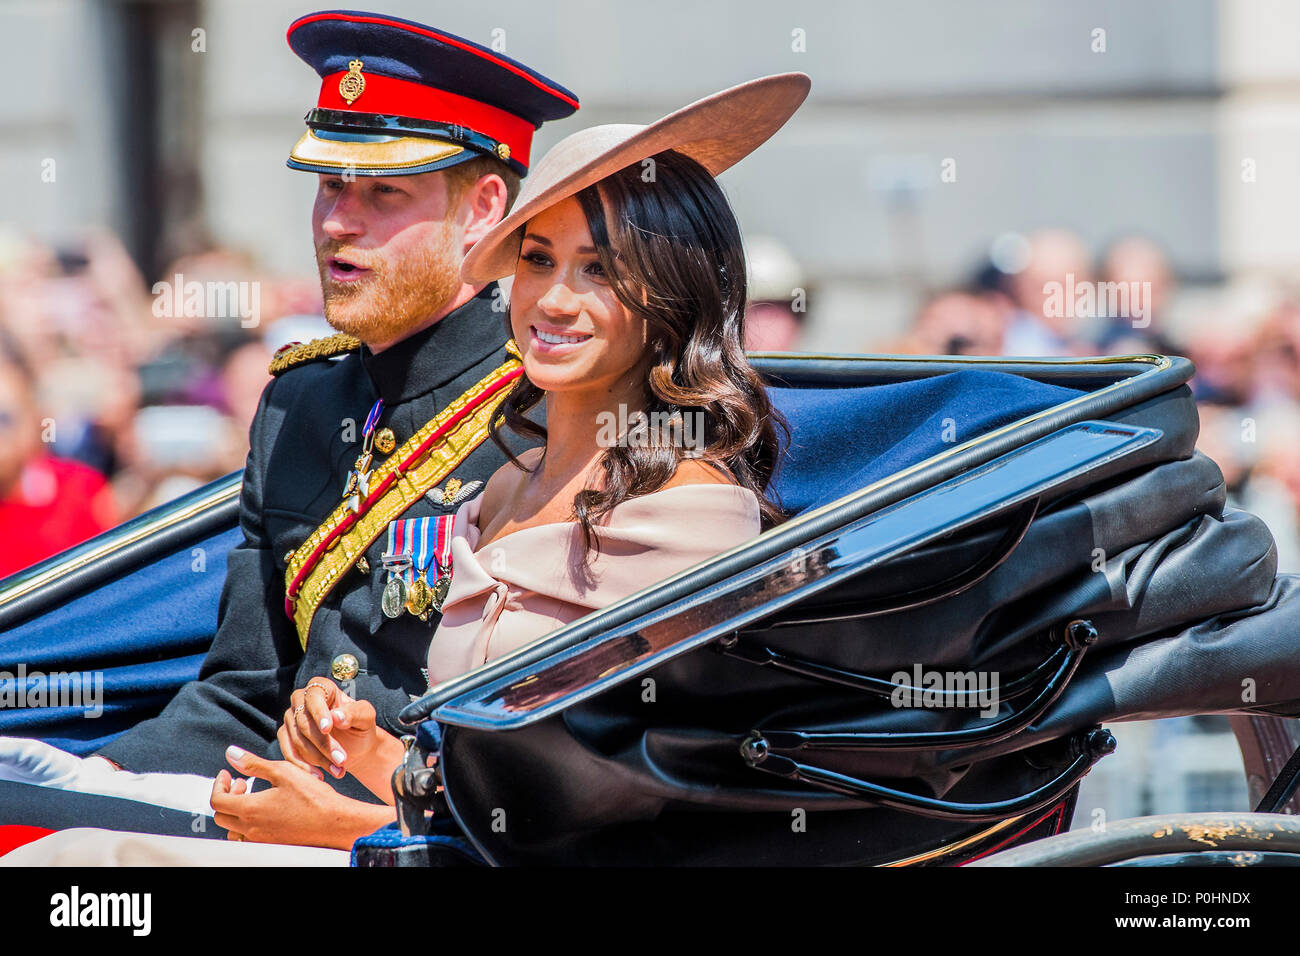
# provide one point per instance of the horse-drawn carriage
(988, 560)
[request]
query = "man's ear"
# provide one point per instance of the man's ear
(482, 206)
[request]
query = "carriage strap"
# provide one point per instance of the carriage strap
(415, 467)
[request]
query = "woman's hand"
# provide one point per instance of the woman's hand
(299, 809)
(325, 728)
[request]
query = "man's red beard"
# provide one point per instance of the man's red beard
(394, 298)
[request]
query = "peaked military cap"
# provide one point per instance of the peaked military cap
(398, 97)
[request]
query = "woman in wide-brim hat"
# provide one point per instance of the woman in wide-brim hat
(628, 307)
(653, 284)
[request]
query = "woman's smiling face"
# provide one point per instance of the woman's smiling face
(571, 328)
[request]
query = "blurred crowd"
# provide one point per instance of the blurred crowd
(112, 400)
(1049, 294)
(115, 399)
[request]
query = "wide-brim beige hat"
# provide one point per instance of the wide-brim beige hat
(717, 132)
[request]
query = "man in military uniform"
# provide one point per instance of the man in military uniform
(419, 139)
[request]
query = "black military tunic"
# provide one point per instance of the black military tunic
(297, 467)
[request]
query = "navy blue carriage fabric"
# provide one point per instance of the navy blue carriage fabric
(147, 632)
(116, 655)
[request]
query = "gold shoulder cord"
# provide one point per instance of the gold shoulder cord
(408, 488)
(295, 354)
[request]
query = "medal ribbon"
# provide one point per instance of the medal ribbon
(419, 531)
(442, 541)
(358, 483)
(409, 538)
(407, 561)
(397, 559)
(372, 420)
(412, 550)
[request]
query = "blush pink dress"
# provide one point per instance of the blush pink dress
(530, 582)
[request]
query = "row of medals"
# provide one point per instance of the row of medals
(420, 598)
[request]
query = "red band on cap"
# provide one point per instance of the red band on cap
(389, 95)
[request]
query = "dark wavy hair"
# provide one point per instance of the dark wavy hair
(673, 255)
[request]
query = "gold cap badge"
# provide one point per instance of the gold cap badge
(353, 84)
(503, 151)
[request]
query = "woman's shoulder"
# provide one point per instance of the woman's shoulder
(697, 489)
(509, 474)
(502, 484)
(690, 519)
(694, 471)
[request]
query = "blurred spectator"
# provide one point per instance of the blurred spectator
(188, 369)
(777, 306)
(85, 297)
(243, 378)
(1276, 356)
(47, 504)
(1247, 380)
(101, 402)
(1225, 366)
(956, 323)
(1260, 461)
(1273, 493)
(1138, 265)
(1039, 327)
(992, 284)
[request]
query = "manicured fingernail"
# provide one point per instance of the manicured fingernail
(325, 723)
(338, 715)
(235, 753)
(338, 755)
(336, 770)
